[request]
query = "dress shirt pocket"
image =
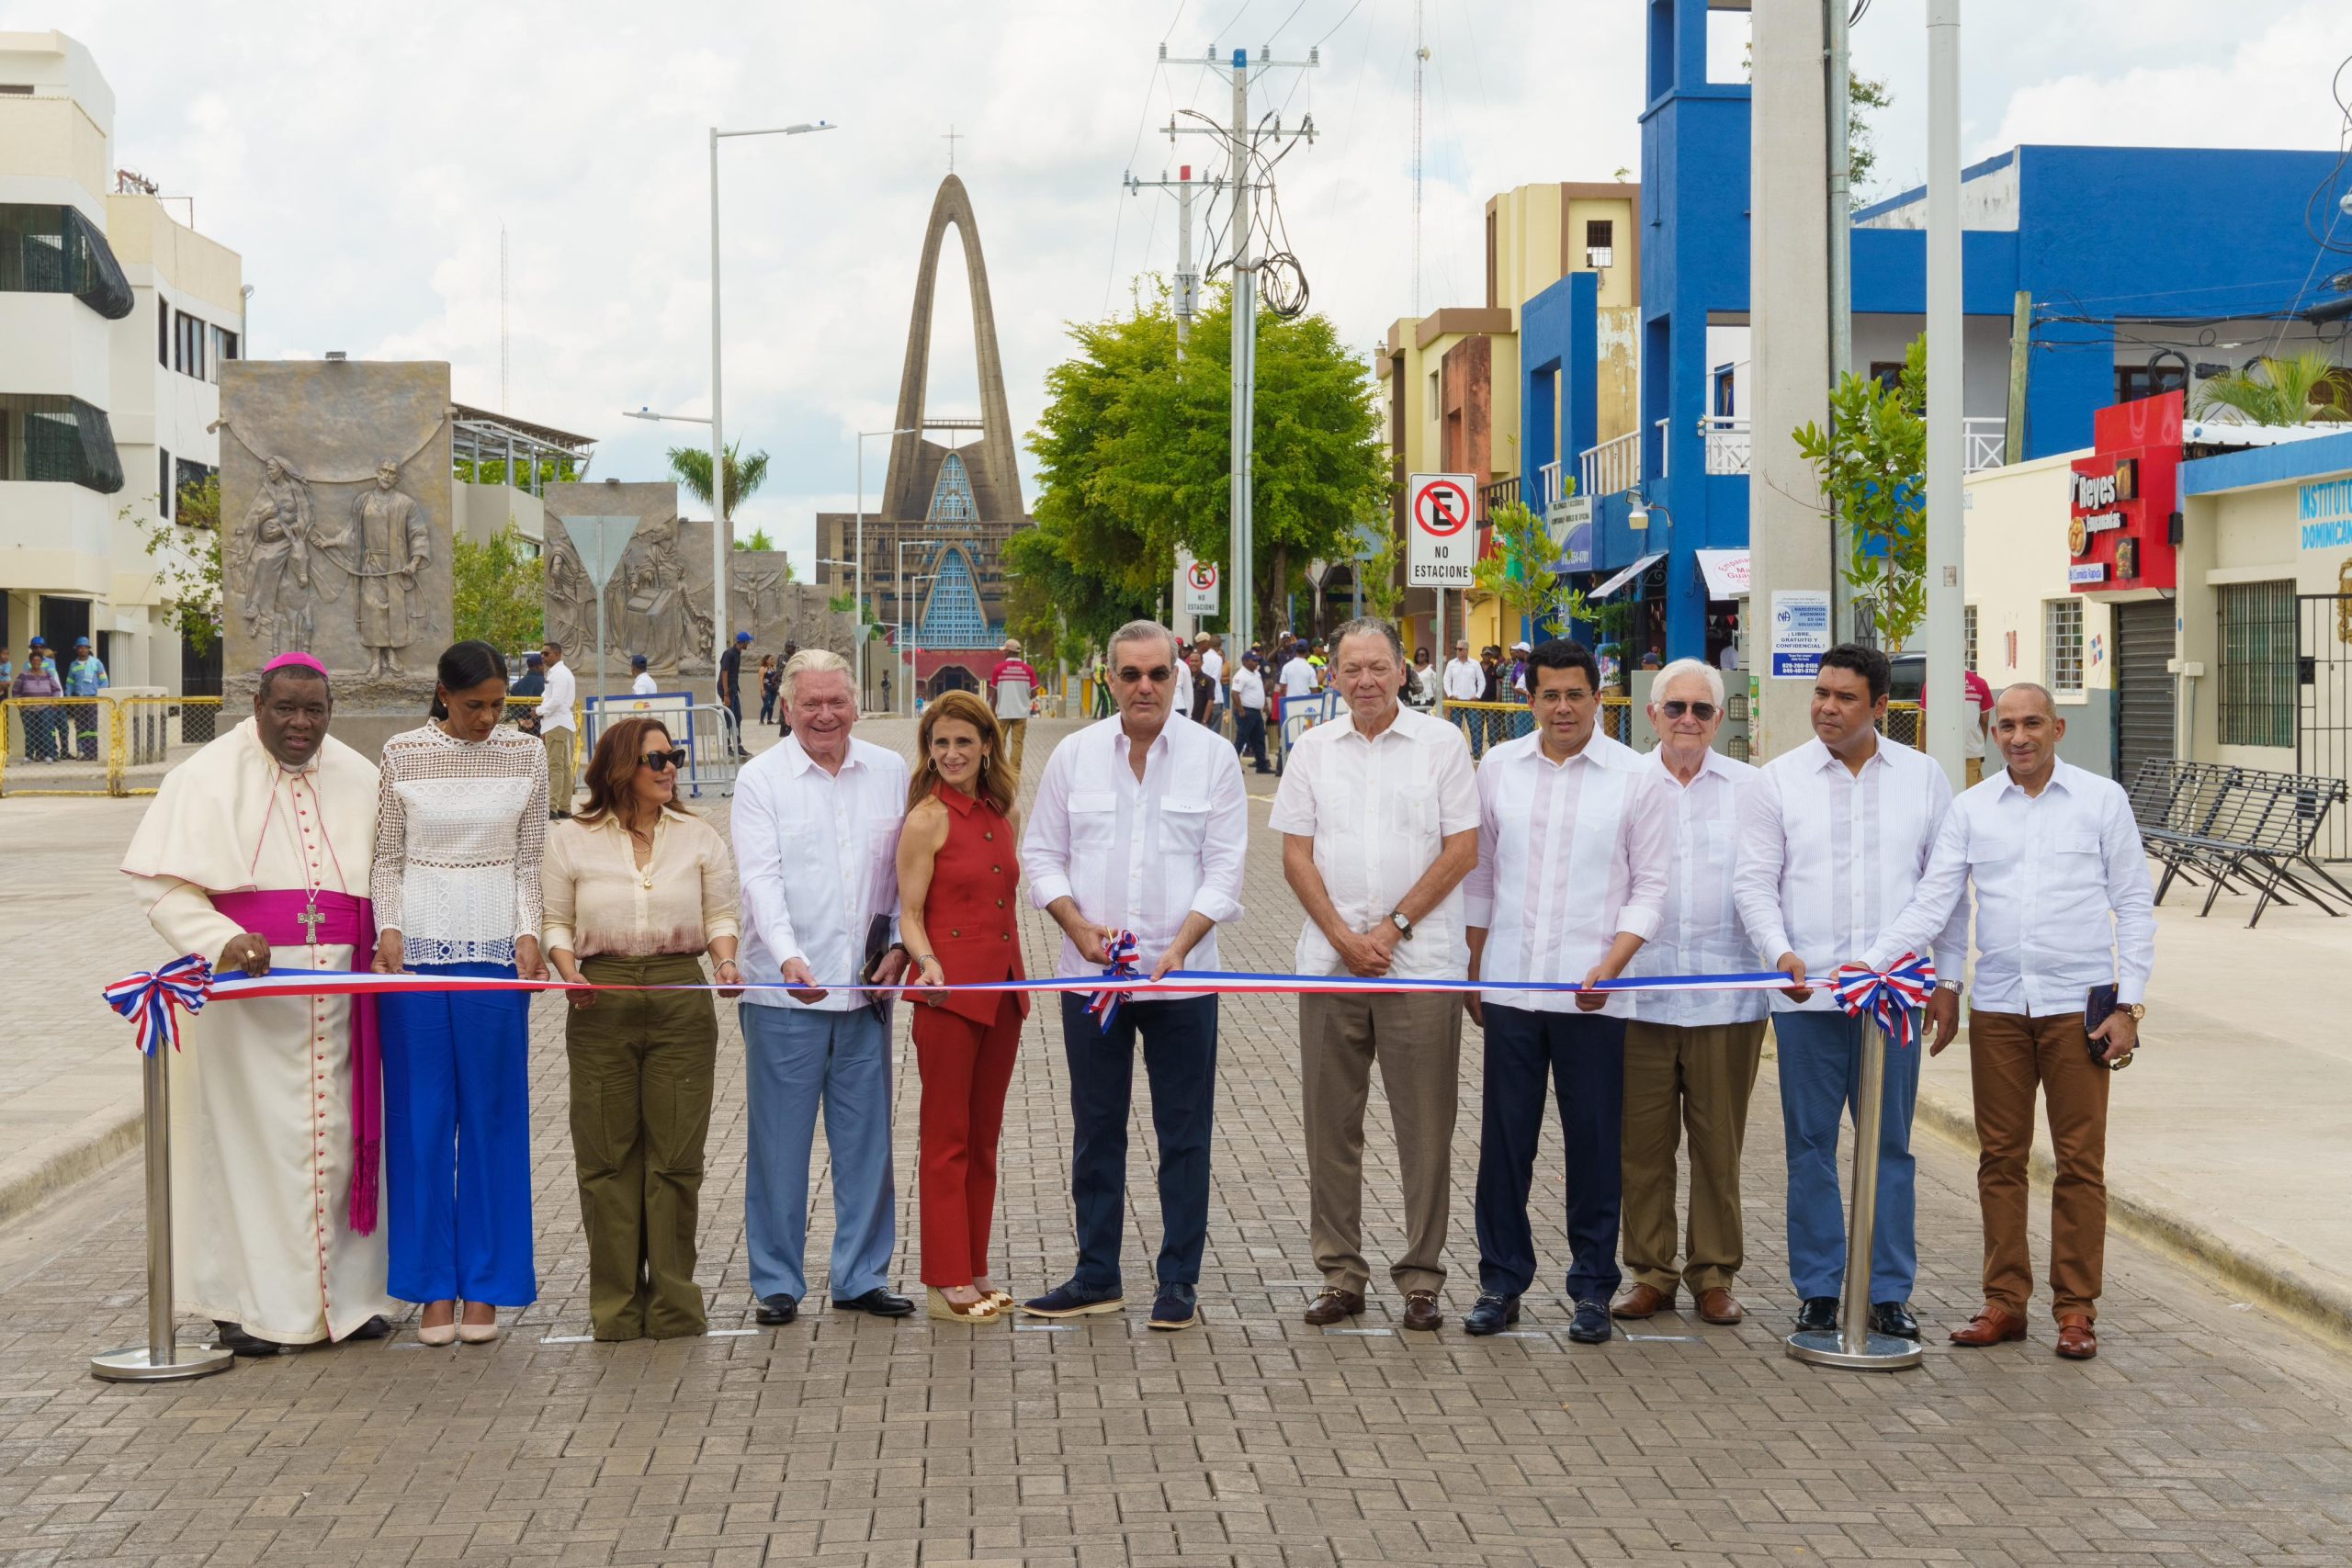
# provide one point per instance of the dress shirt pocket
(1093, 818)
(1985, 850)
(1718, 845)
(1184, 826)
(1414, 806)
(2075, 844)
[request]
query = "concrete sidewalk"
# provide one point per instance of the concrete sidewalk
(2229, 1132)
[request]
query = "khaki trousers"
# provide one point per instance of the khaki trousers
(1976, 770)
(1015, 732)
(2008, 1056)
(642, 1067)
(561, 773)
(1417, 1040)
(1696, 1079)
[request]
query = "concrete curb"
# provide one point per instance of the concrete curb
(2323, 1308)
(68, 1157)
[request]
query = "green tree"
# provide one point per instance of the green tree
(691, 466)
(1862, 95)
(1383, 594)
(759, 539)
(533, 476)
(1873, 463)
(501, 591)
(1133, 454)
(2304, 388)
(188, 557)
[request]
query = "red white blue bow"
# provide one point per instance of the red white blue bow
(151, 1001)
(1887, 995)
(1123, 952)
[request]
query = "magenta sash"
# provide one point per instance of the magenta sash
(278, 918)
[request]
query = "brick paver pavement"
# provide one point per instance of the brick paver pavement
(2202, 1436)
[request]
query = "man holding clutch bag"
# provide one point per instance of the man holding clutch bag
(2054, 856)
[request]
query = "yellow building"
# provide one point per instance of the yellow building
(1454, 375)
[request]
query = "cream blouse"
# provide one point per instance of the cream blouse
(598, 901)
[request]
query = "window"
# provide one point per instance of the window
(1887, 373)
(187, 344)
(48, 249)
(164, 487)
(2257, 707)
(186, 472)
(224, 348)
(2061, 636)
(1968, 636)
(2133, 381)
(52, 438)
(1599, 243)
(163, 330)
(951, 494)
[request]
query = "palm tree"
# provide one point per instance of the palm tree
(744, 475)
(759, 539)
(2302, 389)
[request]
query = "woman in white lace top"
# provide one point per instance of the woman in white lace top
(461, 822)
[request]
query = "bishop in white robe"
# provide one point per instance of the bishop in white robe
(257, 852)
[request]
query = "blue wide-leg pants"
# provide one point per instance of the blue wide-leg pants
(794, 1060)
(458, 1142)
(1821, 1077)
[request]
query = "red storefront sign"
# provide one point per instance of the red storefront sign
(2121, 500)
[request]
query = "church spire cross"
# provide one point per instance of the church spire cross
(951, 137)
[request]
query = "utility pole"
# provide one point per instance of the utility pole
(1838, 101)
(1188, 273)
(1946, 699)
(1241, 145)
(1420, 59)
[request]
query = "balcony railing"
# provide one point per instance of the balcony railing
(1546, 488)
(1501, 492)
(1983, 443)
(1727, 445)
(1611, 468)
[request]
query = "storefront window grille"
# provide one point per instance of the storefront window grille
(1968, 634)
(2062, 634)
(2257, 627)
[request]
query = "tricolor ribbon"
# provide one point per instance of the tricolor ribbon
(1887, 995)
(1123, 950)
(152, 1000)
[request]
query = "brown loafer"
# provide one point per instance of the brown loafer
(1421, 1311)
(1333, 1306)
(1641, 1301)
(1720, 1306)
(2078, 1340)
(1991, 1325)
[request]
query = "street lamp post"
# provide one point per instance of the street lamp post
(718, 416)
(906, 622)
(861, 550)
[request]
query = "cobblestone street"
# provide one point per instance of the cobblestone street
(2206, 1433)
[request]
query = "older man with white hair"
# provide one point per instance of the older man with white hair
(1690, 1056)
(816, 827)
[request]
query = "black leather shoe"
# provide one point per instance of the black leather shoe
(776, 1309)
(1894, 1318)
(876, 1303)
(1817, 1314)
(374, 1328)
(233, 1338)
(1591, 1326)
(1177, 1307)
(1491, 1315)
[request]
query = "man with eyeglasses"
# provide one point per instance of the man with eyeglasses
(1690, 1056)
(1379, 818)
(1140, 824)
(1572, 862)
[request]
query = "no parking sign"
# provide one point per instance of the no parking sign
(1444, 547)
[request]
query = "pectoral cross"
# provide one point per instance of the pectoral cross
(312, 920)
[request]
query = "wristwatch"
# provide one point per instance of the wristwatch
(1404, 926)
(1948, 985)
(2137, 1009)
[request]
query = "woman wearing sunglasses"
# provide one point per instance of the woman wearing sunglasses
(637, 890)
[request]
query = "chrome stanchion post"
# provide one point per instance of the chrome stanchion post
(1852, 1344)
(162, 1358)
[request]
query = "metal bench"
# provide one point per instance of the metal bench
(2245, 830)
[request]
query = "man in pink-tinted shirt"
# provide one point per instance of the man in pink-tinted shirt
(1012, 685)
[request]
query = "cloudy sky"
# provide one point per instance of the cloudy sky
(365, 157)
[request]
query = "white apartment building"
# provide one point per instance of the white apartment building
(115, 318)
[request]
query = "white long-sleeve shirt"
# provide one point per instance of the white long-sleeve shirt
(818, 857)
(1465, 680)
(1380, 811)
(556, 702)
(1141, 855)
(1829, 858)
(2063, 901)
(1570, 854)
(1699, 930)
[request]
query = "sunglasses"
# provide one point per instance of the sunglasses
(1158, 675)
(661, 761)
(1703, 712)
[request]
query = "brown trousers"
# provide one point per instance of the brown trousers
(561, 768)
(2008, 1056)
(1697, 1078)
(1417, 1040)
(1016, 730)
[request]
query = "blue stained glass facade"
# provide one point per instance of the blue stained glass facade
(952, 618)
(951, 495)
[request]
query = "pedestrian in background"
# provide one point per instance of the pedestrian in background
(2066, 941)
(86, 676)
(1012, 686)
(959, 869)
(461, 825)
(637, 889)
(771, 675)
(1250, 711)
(559, 728)
(1379, 817)
(31, 684)
(1690, 1056)
(730, 688)
(1212, 672)
(640, 679)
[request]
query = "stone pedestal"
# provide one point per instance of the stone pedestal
(335, 516)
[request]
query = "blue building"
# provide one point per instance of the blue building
(2131, 269)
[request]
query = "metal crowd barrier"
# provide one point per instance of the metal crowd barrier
(1491, 724)
(109, 745)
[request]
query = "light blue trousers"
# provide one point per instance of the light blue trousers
(794, 1059)
(1821, 1073)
